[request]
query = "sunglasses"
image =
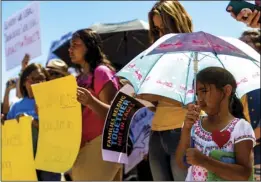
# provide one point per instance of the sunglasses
(38, 79)
(55, 74)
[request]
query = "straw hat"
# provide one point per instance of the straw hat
(59, 66)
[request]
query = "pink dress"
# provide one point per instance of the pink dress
(92, 125)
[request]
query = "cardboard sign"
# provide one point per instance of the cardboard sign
(22, 35)
(60, 124)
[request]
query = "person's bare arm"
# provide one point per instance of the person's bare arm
(100, 106)
(106, 96)
(18, 92)
(184, 144)
(6, 105)
(35, 123)
(191, 117)
(24, 64)
(257, 133)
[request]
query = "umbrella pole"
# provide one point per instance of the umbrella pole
(195, 66)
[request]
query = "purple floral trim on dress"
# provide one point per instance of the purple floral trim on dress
(244, 137)
(207, 136)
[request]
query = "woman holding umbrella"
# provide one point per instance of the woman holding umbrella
(166, 17)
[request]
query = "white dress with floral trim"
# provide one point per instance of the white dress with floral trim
(239, 130)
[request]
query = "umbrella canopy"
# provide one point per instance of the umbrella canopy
(56, 45)
(167, 68)
(121, 41)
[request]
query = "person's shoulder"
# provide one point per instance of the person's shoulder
(242, 125)
(24, 101)
(241, 121)
(102, 69)
(17, 102)
(13, 109)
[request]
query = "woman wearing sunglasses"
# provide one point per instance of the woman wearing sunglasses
(164, 18)
(57, 68)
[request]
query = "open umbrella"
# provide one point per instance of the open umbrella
(59, 49)
(168, 67)
(121, 41)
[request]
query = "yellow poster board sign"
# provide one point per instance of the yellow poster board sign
(17, 161)
(60, 124)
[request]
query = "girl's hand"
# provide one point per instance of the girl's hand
(84, 96)
(11, 84)
(195, 157)
(192, 116)
(19, 116)
(25, 61)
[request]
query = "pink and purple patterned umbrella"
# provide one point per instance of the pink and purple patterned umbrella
(198, 42)
(169, 66)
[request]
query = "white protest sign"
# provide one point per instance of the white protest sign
(22, 35)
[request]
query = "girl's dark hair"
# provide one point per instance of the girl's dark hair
(94, 56)
(220, 77)
(28, 70)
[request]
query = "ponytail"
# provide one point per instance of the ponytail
(236, 107)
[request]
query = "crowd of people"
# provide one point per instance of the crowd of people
(97, 87)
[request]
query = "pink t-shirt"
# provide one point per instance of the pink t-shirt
(92, 124)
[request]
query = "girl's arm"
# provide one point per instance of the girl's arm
(240, 171)
(99, 106)
(106, 96)
(184, 144)
(191, 117)
(9, 86)
(86, 98)
(35, 123)
(18, 92)
(6, 104)
(104, 86)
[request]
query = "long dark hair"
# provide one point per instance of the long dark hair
(220, 77)
(28, 70)
(94, 56)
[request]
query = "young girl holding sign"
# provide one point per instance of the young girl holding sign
(220, 145)
(33, 74)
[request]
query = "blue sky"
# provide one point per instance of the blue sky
(60, 17)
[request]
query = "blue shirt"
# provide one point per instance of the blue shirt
(253, 99)
(24, 105)
(27, 106)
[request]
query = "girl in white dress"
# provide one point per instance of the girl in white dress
(220, 145)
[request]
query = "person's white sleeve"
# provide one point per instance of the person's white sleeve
(244, 131)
